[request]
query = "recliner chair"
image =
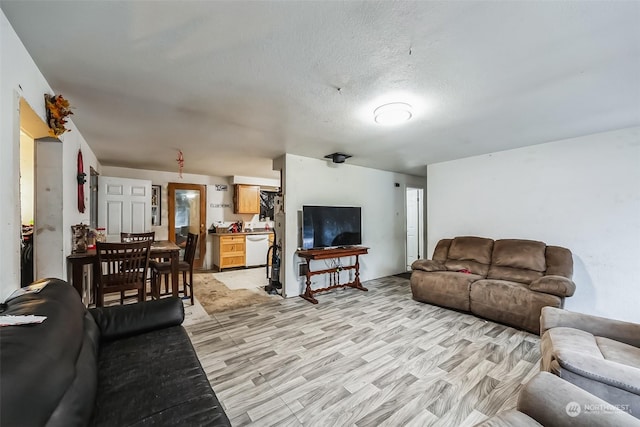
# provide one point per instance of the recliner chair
(599, 355)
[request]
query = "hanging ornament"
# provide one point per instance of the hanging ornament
(81, 180)
(180, 161)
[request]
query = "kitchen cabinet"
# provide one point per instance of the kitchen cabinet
(228, 251)
(246, 199)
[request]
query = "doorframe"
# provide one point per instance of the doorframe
(171, 215)
(421, 222)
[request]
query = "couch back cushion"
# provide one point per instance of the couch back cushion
(470, 253)
(518, 260)
(442, 250)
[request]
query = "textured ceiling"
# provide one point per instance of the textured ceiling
(236, 84)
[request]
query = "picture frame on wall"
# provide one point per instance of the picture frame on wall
(156, 205)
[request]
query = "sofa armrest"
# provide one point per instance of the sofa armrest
(554, 285)
(428, 265)
(626, 332)
(552, 401)
(612, 374)
(121, 321)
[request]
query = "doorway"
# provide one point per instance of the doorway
(27, 212)
(43, 160)
(187, 214)
(415, 221)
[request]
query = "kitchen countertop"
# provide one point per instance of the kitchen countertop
(243, 233)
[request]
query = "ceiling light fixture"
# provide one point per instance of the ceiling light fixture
(393, 113)
(337, 157)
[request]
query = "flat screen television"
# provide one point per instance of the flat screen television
(331, 226)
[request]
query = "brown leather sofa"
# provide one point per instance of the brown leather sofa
(506, 280)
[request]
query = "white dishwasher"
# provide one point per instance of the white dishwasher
(256, 249)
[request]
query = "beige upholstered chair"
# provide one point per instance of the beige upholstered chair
(599, 355)
(549, 401)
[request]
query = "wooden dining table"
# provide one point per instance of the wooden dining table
(159, 249)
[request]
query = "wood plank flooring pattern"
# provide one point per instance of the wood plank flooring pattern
(374, 358)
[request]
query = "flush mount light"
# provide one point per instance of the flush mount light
(337, 157)
(393, 113)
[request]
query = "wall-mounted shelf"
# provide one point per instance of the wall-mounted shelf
(156, 205)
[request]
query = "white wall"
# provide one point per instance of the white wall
(20, 77)
(581, 193)
(310, 181)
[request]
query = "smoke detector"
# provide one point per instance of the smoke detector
(337, 157)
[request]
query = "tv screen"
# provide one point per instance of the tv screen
(330, 226)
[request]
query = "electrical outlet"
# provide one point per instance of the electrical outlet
(302, 269)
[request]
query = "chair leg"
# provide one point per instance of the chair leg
(184, 283)
(121, 297)
(153, 285)
(99, 297)
(191, 284)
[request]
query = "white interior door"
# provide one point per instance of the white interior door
(124, 206)
(415, 218)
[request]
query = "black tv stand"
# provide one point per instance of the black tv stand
(334, 282)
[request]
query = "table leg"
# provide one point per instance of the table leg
(76, 276)
(174, 273)
(308, 295)
(356, 282)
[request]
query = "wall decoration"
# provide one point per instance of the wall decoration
(81, 180)
(180, 161)
(156, 205)
(222, 187)
(58, 109)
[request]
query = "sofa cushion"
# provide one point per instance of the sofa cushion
(510, 303)
(164, 365)
(472, 266)
(445, 288)
(514, 253)
(442, 250)
(619, 352)
(471, 248)
(517, 260)
(519, 275)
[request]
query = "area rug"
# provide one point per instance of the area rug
(215, 297)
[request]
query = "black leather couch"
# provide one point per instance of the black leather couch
(130, 365)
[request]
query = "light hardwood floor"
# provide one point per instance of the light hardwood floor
(374, 358)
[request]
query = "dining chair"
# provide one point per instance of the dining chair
(136, 237)
(123, 266)
(159, 269)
